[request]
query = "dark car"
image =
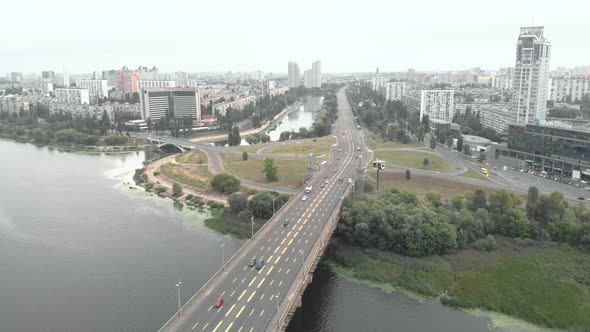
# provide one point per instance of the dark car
(252, 262)
(286, 223)
(581, 198)
(219, 303)
(260, 264)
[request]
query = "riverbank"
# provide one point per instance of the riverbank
(543, 283)
(135, 144)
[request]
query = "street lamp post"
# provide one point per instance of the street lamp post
(222, 256)
(273, 206)
(178, 291)
(278, 312)
(252, 221)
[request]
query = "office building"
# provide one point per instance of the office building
(145, 84)
(437, 104)
(97, 88)
(16, 77)
(395, 91)
(128, 81)
(504, 79)
(569, 89)
(65, 79)
(112, 77)
(531, 74)
(378, 83)
(72, 96)
(181, 78)
(294, 75)
(553, 148)
(168, 103)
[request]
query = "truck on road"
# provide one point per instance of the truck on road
(308, 189)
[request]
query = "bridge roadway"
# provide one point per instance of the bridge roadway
(253, 297)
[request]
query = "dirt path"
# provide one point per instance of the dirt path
(166, 182)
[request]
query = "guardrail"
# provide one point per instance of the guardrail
(208, 283)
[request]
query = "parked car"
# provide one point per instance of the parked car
(219, 302)
(252, 262)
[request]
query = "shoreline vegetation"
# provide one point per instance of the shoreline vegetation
(490, 252)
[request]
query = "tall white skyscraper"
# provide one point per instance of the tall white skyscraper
(294, 75)
(316, 69)
(308, 79)
(531, 74)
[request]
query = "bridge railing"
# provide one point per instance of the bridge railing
(231, 261)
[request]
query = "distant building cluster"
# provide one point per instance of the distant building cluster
(312, 78)
(238, 104)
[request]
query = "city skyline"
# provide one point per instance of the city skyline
(443, 39)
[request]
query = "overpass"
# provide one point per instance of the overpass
(265, 299)
(163, 142)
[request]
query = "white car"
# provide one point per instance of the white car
(304, 198)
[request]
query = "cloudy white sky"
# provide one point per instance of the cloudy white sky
(220, 35)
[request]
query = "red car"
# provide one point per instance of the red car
(219, 303)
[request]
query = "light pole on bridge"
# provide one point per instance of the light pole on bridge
(278, 312)
(273, 206)
(252, 221)
(178, 291)
(222, 256)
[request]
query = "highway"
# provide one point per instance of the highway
(253, 297)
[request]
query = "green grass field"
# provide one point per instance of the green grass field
(249, 148)
(421, 184)
(290, 171)
(322, 146)
(195, 176)
(192, 157)
(374, 141)
(414, 159)
(545, 284)
(474, 175)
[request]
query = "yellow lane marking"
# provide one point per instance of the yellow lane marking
(276, 250)
(239, 298)
(240, 312)
(229, 311)
(261, 282)
(229, 327)
(252, 295)
(268, 272)
(251, 282)
(197, 323)
(204, 327)
(289, 242)
(296, 234)
(261, 312)
(283, 241)
(216, 327)
(300, 227)
(288, 234)
(241, 327)
(277, 260)
(269, 258)
(252, 329)
(283, 251)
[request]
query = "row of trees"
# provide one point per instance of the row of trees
(260, 205)
(400, 222)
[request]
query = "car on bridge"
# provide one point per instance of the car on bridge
(286, 222)
(260, 264)
(252, 262)
(304, 198)
(219, 303)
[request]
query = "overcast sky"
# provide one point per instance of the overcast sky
(217, 35)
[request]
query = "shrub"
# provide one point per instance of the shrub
(225, 183)
(189, 197)
(245, 155)
(116, 140)
(160, 190)
(486, 244)
(156, 173)
(176, 190)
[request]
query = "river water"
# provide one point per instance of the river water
(80, 251)
(302, 117)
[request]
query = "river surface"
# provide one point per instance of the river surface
(303, 117)
(80, 251)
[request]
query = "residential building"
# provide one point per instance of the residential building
(48, 75)
(181, 78)
(128, 81)
(437, 104)
(237, 104)
(395, 90)
(378, 83)
(316, 68)
(569, 89)
(308, 79)
(531, 74)
(294, 75)
(146, 84)
(72, 96)
(16, 77)
(98, 88)
(504, 79)
(551, 147)
(112, 77)
(46, 87)
(167, 103)
(149, 74)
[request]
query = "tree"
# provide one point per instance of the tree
(233, 138)
(479, 200)
(425, 162)
(105, 123)
(245, 155)
(237, 202)
(467, 150)
(408, 174)
(482, 157)
(176, 190)
(432, 142)
(460, 143)
(532, 197)
(261, 204)
(271, 170)
(449, 142)
(225, 183)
